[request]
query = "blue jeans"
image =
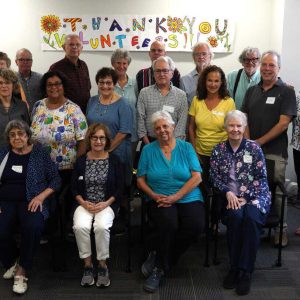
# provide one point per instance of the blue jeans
(31, 227)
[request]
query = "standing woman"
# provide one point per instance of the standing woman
(96, 185)
(207, 113)
(127, 88)
(111, 109)
(11, 107)
(59, 124)
(29, 177)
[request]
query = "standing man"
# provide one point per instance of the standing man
(161, 96)
(202, 55)
(270, 107)
(76, 72)
(29, 79)
(240, 80)
(145, 77)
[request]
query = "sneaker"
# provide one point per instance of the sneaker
(243, 284)
(103, 277)
(88, 277)
(20, 284)
(10, 273)
(284, 239)
(149, 264)
(154, 280)
(230, 280)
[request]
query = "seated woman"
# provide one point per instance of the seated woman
(97, 186)
(29, 177)
(169, 175)
(238, 171)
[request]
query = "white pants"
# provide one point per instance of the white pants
(82, 225)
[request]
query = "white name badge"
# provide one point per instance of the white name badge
(168, 108)
(270, 100)
(218, 113)
(80, 178)
(247, 159)
(17, 169)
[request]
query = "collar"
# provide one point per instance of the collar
(66, 60)
(240, 148)
(279, 82)
(22, 77)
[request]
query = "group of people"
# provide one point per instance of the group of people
(58, 135)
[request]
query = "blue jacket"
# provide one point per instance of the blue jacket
(114, 184)
(41, 174)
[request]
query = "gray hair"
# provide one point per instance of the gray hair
(19, 124)
(22, 50)
(203, 44)
(161, 115)
(235, 114)
(120, 54)
(248, 50)
(166, 59)
(68, 36)
(275, 53)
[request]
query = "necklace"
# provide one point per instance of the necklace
(103, 108)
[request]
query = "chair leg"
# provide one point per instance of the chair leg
(207, 232)
(279, 263)
(128, 225)
(216, 237)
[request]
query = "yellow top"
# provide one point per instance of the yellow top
(209, 124)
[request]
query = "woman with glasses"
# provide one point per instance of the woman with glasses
(11, 107)
(240, 80)
(28, 177)
(59, 124)
(114, 111)
(96, 185)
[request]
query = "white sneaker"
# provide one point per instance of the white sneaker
(10, 273)
(20, 284)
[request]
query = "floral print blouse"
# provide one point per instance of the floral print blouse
(296, 127)
(250, 172)
(59, 130)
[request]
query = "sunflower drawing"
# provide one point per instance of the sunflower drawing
(213, 41)
(50, 24)
(176, 25)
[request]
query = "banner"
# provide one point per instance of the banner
(136, 33)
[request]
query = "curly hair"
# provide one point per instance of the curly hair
(201, 86)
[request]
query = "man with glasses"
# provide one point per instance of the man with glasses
(202, 55)
(161, 96)
(29, 79)
(78, 84)
(270, 106)
(145, 77)
(239, 81)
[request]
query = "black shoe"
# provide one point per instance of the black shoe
(154, 280)
(149, 264)
(230, 280)
(243, 284)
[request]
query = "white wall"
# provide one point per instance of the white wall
(266, 24)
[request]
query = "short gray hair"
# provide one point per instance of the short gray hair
(166, 59)
(162, 115)
(275, 53)
(235, 114)
(23, 50)
(120, 54)
(203, 44)
(19, 124)
(248, 50)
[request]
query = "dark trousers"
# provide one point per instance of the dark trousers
(176, 228)
(296, 155)
(31, 227)
(244, 227)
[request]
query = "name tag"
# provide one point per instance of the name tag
(247, 159)
(218, 113)
(80, 178)
(270, 100)
(168, 108)
(17, 169)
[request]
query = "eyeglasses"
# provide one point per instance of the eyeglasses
(2, 83)
(252, 60)
(78, 45)
(55, 84)
(201, 54)
(101, 138)
(157, 50)
(161, 71)
(13, 135)
(25, 60)
(108, 83)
